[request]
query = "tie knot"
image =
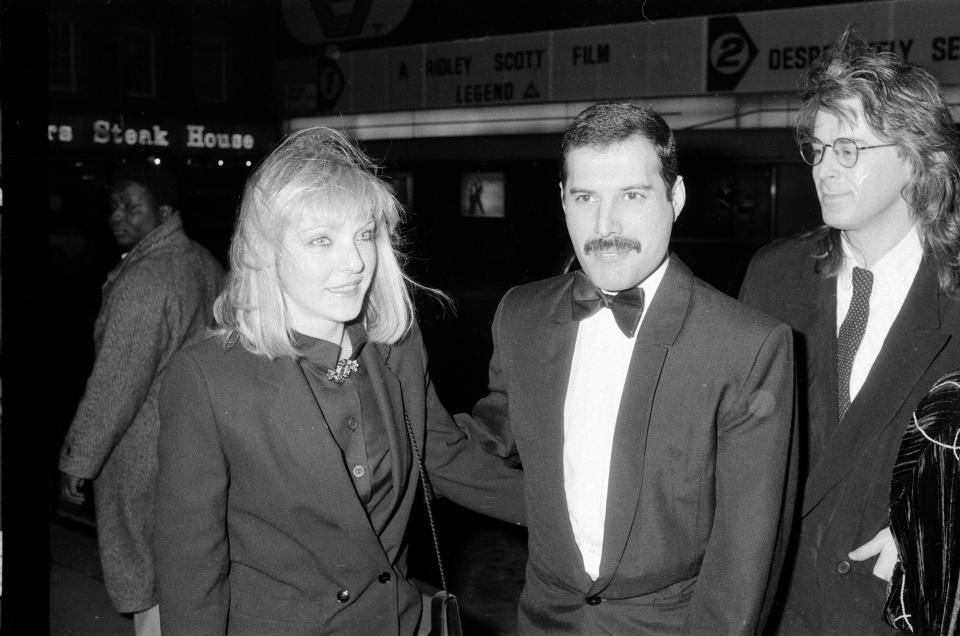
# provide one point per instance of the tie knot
(862, 281)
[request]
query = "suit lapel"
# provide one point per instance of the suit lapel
(660, 328)
(552, 349)
(311, 450)
(913, 342)
(814, 315)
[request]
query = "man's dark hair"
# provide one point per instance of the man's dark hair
(901, 103)
(156, 180)
(612, 122)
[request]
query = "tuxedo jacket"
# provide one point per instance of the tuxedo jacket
(259, 527)
(699, 484)
(846, 466)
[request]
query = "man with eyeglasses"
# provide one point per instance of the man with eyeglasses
(872, 297)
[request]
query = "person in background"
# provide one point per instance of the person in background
(653, 415)
(157, 299)
(872, 297)
(287, 470)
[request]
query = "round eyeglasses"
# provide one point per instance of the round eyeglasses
(846, 150)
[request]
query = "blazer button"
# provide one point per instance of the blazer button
(593, 600)
(384, 577)
(843, 567)
(343, 596)
(352, 423)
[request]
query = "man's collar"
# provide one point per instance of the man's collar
(905, 255)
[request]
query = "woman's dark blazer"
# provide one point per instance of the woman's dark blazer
(259, 528)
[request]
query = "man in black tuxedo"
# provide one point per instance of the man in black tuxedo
(872, 298)
(653, 415)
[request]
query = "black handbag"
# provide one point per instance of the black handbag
(444, 607)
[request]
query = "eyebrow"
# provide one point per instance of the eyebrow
(644, 187)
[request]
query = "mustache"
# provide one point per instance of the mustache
(610, 244)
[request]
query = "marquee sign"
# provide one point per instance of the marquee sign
(758, 52)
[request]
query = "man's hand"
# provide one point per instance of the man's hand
(884, 546)
(70, 486)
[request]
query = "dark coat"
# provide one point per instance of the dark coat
(158, 299)
(848, 467)
(259, 527)
(701, 467)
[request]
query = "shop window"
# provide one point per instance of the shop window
(210, 68)
(138, 62)
(62, 52)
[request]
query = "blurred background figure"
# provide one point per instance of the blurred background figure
(158, 298)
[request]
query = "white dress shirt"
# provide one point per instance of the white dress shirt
(601, 359)
(892, 277)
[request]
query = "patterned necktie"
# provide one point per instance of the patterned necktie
(627, 306)
(851, 333)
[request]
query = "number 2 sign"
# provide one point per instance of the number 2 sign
(730, 52)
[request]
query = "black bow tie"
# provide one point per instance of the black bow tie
(627, 306)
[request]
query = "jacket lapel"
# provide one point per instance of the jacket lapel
(659, 330)
(912, 344)
(389, 392)
(310, 447)
(552, 348)
(814, 315)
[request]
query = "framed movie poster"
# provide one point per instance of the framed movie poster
(481, 194)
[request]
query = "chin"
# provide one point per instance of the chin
(614, 277)
(611, 283)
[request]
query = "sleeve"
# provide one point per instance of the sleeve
(756, 478)
(133, 341)
(466, 462)
(192, 556)
(489, 420)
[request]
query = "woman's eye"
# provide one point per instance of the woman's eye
(367, 235)
(321, 241)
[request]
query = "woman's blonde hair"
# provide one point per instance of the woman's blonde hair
(312, 169)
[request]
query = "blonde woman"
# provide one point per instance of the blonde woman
(286, 473)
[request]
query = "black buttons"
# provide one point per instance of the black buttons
(843, 567)
(384, 577)
(593, 600)
(343, 596)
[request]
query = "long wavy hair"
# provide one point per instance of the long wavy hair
(313, 171)
(902, 103)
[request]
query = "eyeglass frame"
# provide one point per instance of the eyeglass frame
(836, 153)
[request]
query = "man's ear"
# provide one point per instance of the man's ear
(679, 197)
(562, 203)
(165, 211)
